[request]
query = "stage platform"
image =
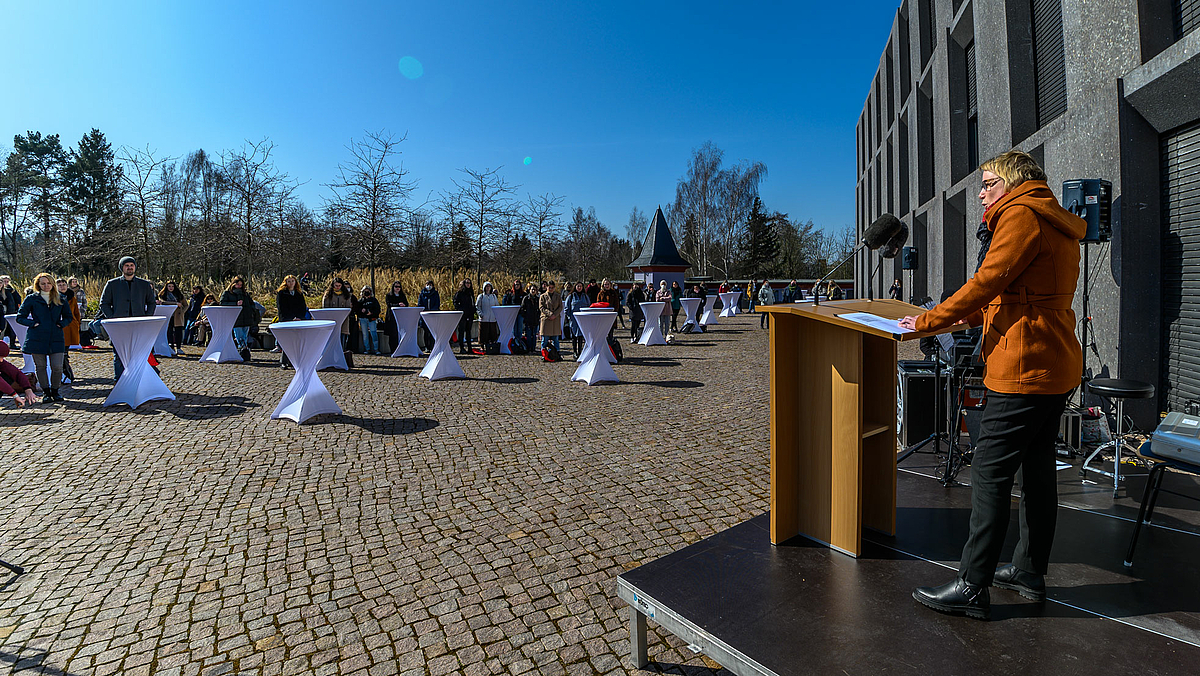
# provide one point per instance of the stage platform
(801, 608)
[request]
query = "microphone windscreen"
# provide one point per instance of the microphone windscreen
(895, 243)
(878, 233)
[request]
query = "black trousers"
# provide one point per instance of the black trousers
(1016, 433)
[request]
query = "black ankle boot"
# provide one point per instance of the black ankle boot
(958, 598)
(1030, 585)
(52, 395)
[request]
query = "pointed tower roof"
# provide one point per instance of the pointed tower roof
(659, 248)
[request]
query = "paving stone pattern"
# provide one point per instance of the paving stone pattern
(471, 527)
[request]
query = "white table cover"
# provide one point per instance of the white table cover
(595, 367)
(441, 362)
(333, 357)
(303, 342)
(651, 333)
(221, 347)
(690, 305)
(589, 339)
(709, 317)
(132, 338)
(729, 300)
(506, 318)
(162, 347)
(19, 330)
(406, 325)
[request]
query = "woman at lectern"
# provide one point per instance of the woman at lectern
(1021, 295)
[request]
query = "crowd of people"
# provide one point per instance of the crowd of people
(52, 310)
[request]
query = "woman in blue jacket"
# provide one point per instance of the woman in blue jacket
(45, 313)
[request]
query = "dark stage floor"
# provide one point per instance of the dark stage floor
(801, 608)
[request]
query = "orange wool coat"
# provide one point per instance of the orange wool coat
(1024, 288)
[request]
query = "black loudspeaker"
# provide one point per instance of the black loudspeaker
(1091, 200)
(917, 403)
(909, 260)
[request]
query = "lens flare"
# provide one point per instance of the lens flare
(528, 161)
(411, 68)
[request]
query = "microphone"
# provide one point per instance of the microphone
(894, 244)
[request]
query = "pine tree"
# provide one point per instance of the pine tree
(762, 242)
(43, 158)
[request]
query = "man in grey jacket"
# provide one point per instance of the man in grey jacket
(126, 296)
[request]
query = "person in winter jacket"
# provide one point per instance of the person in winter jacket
(550, 307)
(367, 311)
(1022, 294)
(171, 295)
(530, 314)
(126, 296)
(514, 296)
(765, 297)
(13, 383)
(489, 328)
(464, 300)
(575, 301)
(291, 307)
(664, 296)
(10, 302)
(237, 295)
(609, 294)
(338, 295)
(46, 315)
(429, 301)
(676, 294)
(393, 298)
(195, 302)
(634, 301)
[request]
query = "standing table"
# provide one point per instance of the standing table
(709, 318)
(729, 301)
(690, 305)
(333, 357)
(304, 342)
(406, 330)
(162, 347)
(221, 347)
(651, 333)
(441, 362)
(19, 330)
(506, 318)
(589, 339)
(595, 357)
(132, 338)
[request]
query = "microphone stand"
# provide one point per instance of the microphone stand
(817, 286)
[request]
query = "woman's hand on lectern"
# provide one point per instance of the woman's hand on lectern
(909, 322)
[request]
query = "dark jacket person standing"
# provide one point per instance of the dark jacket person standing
(1021, 295)
(127, 296)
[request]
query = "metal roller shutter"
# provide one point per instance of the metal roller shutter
(1049, 62)
(1187, 17)
(1181, 268)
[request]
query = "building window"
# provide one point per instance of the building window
(1187, 16)
(928, 36)
(972, 110)
(1049, 64)
(891, 86)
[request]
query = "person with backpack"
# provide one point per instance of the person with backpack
(634, 300)
(489, 327)
(550, 307)
(367, 311)
(464, 300)
(46, 315)
(237, 295)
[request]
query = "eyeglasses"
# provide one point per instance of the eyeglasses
(988, 185)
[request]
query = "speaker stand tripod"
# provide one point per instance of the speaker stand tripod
(955, 460)
(13, 567)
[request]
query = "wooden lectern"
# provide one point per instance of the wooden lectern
(833, 421)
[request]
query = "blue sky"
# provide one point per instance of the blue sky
(607, 99)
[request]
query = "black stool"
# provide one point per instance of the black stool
(1118, 390)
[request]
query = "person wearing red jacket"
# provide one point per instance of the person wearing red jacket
(1021, 295)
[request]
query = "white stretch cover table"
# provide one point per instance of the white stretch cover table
(132, 338)
(303, 342)
(589, 339)
(221, 347)
(690, 305)
(406, 331)
(441, 362)
(709, 317)
(595, 367)
(728, 299)
(651, 333)
(162, 347)
(19, 330)
(333, 357)
(506, 318)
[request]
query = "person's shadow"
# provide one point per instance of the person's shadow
(382, 426)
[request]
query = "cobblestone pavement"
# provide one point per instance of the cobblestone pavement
(471, 527)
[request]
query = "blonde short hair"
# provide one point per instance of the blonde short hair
(1014, 168)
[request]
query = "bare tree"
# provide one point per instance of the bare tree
(696, 198)
(541, 216)
(143, 191)
(369, 194)
(16, 213)
(737, 188)
(254, 181)
(486, 200)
